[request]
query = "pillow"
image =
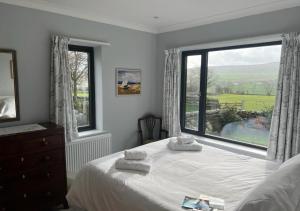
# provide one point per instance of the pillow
(292, 161)
(278, 192)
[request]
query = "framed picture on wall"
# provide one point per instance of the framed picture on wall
(128, 81)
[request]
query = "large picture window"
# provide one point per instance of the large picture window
(229, 93)
(81, 60)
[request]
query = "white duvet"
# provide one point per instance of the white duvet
(7, 107)
(100, 187)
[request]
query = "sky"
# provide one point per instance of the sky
(131, 76)
(245, 56)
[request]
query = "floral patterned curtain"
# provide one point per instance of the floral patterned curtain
(284, 140)
(171, 120)
(61, 101)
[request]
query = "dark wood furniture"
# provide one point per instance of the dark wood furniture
(150, 129)
(33, 170)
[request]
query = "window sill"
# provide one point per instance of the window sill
(90, 133)
(245, 150)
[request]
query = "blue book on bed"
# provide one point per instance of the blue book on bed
(204, 203)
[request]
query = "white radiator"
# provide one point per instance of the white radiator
(83, 150)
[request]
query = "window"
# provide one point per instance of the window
(81, 61)
(229, 93)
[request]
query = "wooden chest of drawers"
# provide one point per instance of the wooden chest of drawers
(32, 170)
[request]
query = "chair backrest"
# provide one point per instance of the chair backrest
(150, 127)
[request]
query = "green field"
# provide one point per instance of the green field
(250, 102)
(82, 94)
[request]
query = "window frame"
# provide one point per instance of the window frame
(203, 90)
(91, 80)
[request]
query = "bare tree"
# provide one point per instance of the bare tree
(79, 66)
(269, 87)
(193, 80)
(211, 78)
(193, 77)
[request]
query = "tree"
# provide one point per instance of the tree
(211, 78)
(78, 62)
(193, 77)
(269, 87)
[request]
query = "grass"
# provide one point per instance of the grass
(133, 89)
(250, 102)
(190, 107)
(83, 94)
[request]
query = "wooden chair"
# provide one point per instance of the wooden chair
(150, 129)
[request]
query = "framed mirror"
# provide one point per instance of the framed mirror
(9, 95)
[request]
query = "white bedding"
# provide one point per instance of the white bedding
(7, 107)
(100, 187)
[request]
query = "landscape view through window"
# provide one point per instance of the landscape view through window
(240, 93)
(79, 66)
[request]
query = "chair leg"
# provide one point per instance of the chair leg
(65, 204)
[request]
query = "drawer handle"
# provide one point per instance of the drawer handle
(22, 159)
(23, 176)
(45, 142)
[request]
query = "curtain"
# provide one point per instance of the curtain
(284, 140)
(171, 120)
(61, 102)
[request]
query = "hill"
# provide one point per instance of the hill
(248, 79)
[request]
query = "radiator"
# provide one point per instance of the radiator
(83, 150)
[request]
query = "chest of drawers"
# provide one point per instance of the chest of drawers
(32, 170)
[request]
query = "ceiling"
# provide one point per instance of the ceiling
(157, 16)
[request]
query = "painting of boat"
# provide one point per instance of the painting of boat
(128, 81)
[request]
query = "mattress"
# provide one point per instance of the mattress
(174, 175)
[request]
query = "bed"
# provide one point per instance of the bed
(7, 107)
(174, 175)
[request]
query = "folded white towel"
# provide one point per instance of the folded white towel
(134, 154)
(194, 146)
(185, 139)
(141, 165)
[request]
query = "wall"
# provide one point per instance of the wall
(28, 32)
(270, 23)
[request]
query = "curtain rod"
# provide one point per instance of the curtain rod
(88, 42)
(247, 40)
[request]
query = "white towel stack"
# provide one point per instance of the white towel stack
(185, 139)
(184, 143)
(134, 160)
(134, 154)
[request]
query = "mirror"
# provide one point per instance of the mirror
(9, 98)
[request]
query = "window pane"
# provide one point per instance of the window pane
(79, 64)
(192, 92)
(241, 88)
